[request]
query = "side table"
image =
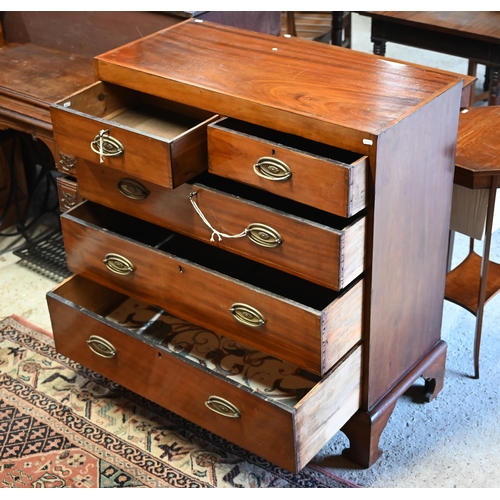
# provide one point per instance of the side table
(477, 280)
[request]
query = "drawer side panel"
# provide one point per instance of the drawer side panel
(343, 325)
(353, 252)
(325, 410)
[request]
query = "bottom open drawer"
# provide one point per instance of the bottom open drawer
(256, 401)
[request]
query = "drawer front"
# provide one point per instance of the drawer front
(68, 194)
(277, 432)
(115, 128)
(312, 338)
(326, 184)
(269, 236)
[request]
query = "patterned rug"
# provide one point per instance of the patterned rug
(62, 425)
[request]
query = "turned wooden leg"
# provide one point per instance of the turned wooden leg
(494, 94)
(337, 28)
(379, 47)
(365, 428)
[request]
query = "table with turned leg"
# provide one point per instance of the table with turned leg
(472, 35)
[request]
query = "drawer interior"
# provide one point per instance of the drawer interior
(288, 207)
(246, 367)
(138, 111)
(202, 254)
(288, 140)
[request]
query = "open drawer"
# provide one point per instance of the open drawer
(286, 416)
(139, 134)
(303, 323)
(250, 222)
(306, 171)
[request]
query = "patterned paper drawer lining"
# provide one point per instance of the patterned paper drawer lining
(264, 374)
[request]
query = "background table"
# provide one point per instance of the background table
(472, 35)
(476, 280)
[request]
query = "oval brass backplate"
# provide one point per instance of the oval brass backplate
(101, 347)
(105, 145)
(222, 407)
(132, 189)
(247, 315)
(118, 264)
(263, 235)
(272, 169)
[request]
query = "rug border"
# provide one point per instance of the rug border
(24, 322)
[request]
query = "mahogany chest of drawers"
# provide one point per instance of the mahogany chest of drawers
(284, 204)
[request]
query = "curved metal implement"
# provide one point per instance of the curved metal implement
(105, 145)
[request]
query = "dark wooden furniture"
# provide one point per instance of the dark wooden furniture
(473, 35)
(279, 198)
(46, 56)
(326, 27)
(13, 188)
(477, 280)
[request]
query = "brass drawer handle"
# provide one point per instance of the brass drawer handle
(263, 235)
(118, 264)
(132, 189)
(259, 234)
(247, 315)
(101, 347)
(222, 407)
(272, 169)
(105, 145)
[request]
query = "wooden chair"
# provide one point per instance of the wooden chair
(325, 27)
(476, 279)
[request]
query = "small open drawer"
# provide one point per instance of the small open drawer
(306, 324)
(280, 413)
(139, 134)
(306, 171)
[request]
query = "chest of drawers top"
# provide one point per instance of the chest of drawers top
(305, 89)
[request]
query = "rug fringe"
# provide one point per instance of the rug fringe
(330, 474)
(31, 326)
